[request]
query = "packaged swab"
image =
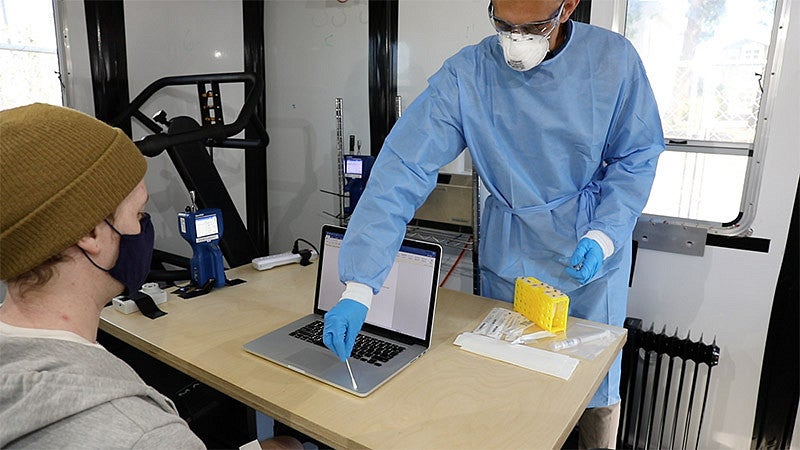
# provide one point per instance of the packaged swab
(573, 342)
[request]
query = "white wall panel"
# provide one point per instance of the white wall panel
(429, 32)
(317, 50)
(167, 38)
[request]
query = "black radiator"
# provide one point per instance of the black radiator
(664, 388)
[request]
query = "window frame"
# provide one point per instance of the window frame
(756, 152)
(63, 52)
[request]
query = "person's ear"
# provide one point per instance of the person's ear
(90, 243)
(569, 8)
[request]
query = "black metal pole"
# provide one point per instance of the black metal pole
(108, 59)
(382, 70)
(256, 158)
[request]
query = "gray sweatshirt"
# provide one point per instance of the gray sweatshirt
(61, 394)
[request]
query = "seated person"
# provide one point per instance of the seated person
(74, 234)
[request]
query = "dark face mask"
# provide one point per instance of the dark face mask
(135, 254)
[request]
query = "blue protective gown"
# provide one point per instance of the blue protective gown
(568, 146)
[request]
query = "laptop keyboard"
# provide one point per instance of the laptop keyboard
(368, 349)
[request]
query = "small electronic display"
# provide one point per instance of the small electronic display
(206, 226)
(353, 167)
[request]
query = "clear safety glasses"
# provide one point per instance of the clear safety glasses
(540, 28)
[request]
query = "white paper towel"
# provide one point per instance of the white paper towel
(549, 363)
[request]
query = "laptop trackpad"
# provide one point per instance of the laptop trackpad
(314, 361)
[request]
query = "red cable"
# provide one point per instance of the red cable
(456, 263)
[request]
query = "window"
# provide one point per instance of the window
(28, 54)
(707, 60)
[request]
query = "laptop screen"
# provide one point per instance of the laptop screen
(405, 302)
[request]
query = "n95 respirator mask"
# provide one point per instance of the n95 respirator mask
(523, 52)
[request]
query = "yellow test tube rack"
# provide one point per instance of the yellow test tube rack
(541, 303)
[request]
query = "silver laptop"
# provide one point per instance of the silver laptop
(397, 330)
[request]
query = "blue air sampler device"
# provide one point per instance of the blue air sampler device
(203, 230)
(356, 173)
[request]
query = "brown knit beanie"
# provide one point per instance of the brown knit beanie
(61, 173)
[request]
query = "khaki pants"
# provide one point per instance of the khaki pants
(597, 427)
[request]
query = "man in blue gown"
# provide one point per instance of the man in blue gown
(563, 130)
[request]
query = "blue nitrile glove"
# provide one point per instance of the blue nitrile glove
(588, 257)
(342, 324)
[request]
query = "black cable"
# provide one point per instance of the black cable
(295, 248)
(305, 254)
